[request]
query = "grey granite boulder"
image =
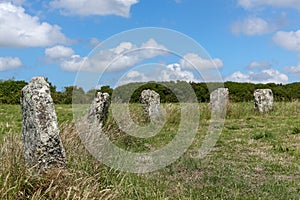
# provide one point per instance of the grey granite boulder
(219, 100)
(263, 100)
(151, 104)
(42, 145)
(99, 109)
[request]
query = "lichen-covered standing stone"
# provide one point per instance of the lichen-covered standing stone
(218, 102)
(99, 109)
(151, 104)
(263, 100)
(42, 145)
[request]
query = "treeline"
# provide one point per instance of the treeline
(238, 92)
(10, 91)
(169, 91)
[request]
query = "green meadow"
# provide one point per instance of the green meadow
(257, 156)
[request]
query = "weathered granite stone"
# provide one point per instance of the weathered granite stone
(99, 109)
(151, 104)
(42, 145)
(218, 102)
(263, 100)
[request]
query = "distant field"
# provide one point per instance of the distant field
(256, 157)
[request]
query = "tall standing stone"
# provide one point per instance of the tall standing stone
(42, 145)
(151, 104)
(99, 109)
(219, 100)
(263, 100)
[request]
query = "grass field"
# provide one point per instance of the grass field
(256, 157)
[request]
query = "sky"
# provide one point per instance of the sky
(112, 42)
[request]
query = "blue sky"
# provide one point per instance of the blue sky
(248, 40)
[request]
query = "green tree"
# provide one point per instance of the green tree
(10, 91)
(106, 89)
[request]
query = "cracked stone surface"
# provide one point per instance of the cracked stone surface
(42, 144)
(151, 103)
(263, 100)
(99, 109)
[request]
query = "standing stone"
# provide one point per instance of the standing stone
(151, 104)
(263, 100)
(42, 145)
(219, 99)
(99, 109)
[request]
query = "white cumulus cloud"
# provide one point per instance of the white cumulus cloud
(171, 72)
(65, 57)
(264, 76)
(253, 26)
(174, 72)
(18, 29)
(123, 56)
(118, 58)
(181, 70)
(7, 63)
(132, 77)
(74, 63)
(134, 74)
(288, 40)
(59, 52)
(194, 61)
(94, 7)
(249, 4)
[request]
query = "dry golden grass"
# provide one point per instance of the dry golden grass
(74, 182)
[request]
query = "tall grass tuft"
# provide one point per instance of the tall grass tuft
(296, 131)
(82, 179)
